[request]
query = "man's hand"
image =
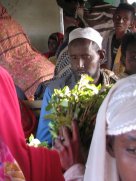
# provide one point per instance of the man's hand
(69, 147)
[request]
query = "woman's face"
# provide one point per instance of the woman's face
(52, 45)
(124, 149)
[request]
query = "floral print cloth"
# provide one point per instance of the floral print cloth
(27, 67)
(9, 169)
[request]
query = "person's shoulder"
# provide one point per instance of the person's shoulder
(109, 75)
(57, 83)
(108, 36)
(109, 33)
(108, 72)
(61, 82)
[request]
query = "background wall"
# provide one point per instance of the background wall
(39, 18)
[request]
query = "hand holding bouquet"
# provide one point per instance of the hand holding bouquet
(81, 103)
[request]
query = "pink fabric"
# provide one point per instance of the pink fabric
(37, 164)
(27, 67)
(9, 169)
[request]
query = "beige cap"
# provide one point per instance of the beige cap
(87, 33)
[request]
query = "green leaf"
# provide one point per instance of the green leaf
(31, 137)
(44, 144)
(82, 103)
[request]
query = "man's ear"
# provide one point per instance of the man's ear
(102, 55)
(132, 25)
(109, 145)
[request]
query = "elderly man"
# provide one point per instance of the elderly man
(86, 55)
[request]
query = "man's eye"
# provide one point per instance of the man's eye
(74, 58)
(117, 17)
(86, 56)
(125, 19)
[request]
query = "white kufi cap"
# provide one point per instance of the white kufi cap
(87, 33)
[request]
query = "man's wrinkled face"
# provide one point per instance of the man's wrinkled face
(124, 148)
(130, 62)
(84, 58)
(122, 20)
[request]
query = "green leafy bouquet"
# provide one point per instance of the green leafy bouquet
(80, 103)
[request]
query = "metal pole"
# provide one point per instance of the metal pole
(61, 21)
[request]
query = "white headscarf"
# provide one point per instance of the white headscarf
(117, 115)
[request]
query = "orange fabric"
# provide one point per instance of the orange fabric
(118, 68)
(27, 67)
(37, 164)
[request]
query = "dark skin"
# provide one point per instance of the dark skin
(130, 59)
(85, 59)
(123, 149)
(52, 45)
(122, 21)
(69, 148)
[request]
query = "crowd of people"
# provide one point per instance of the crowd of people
(109, 57)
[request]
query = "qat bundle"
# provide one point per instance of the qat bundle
(80, 103)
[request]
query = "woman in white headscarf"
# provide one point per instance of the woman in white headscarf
(112, 155)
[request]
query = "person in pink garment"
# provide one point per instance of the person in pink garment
(36, 163)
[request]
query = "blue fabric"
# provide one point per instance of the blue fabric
(20, 94)
(43, 133)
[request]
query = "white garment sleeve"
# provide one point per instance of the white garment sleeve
(75, 173)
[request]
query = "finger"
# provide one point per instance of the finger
(66, 135)
(58, 145)
(67, 140)
(61, 132)
(75, 130)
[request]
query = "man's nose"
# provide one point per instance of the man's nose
(121, 20)
(81, 63)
